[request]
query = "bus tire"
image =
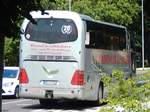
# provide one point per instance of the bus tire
(133, 68)
(100, 94)
(46, 102)
(133, 65)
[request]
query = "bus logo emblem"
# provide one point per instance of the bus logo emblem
(50, 72)
(66, 29)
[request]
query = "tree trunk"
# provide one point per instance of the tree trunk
(2, 40)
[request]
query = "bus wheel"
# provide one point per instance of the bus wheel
(100, 94)
(46, 102)
(133, 73)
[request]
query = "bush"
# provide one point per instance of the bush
(128, 95)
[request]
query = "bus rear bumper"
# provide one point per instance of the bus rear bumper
(61, 93)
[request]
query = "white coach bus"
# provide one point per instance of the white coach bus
(64, 55)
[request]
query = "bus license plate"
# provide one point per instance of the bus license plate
(48, 82)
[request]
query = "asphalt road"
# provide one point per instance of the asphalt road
(29, 105)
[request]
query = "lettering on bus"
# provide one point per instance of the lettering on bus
(42, 48)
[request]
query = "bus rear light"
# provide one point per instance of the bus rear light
(23, 77)
(78, 78)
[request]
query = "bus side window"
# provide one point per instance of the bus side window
(104, 40)
(122, 43)
(97, 40)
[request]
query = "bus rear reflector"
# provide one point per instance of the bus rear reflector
(78, 78)
(23, 77)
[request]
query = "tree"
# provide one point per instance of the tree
(11, 52)
(147, 31)
(48, 4)
(12, 11)
(146, 8)
(123, 12)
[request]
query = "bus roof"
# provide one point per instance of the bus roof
(89, 19)
(96, 25)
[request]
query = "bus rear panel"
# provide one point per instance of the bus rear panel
(51, 58)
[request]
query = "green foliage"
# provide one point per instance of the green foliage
(47, 4)
(123, 12)
(11, 52)
(62, 5)
(129, 94)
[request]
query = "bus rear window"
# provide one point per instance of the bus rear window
(52, 30)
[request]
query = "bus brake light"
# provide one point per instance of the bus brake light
(23, 78)
(78, 78)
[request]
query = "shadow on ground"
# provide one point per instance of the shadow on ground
(66, 105)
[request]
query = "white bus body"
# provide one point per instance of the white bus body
(57, 59)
